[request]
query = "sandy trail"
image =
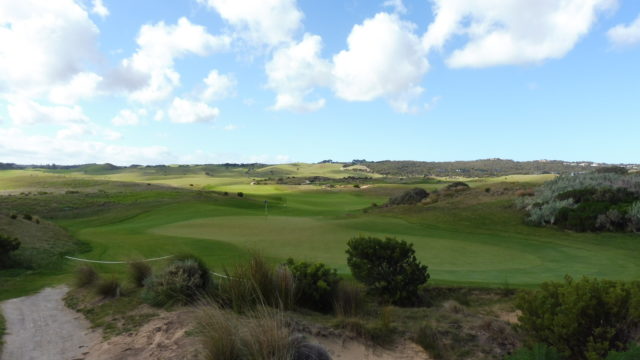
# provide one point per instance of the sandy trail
(41, 327)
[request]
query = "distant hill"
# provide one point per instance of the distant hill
(482, 168)
(395, 168)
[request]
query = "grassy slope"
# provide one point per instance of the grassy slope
(474, 238)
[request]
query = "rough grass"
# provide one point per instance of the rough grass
(115, 316)
(474, 237)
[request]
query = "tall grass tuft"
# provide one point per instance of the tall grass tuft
(349, 300)
(85, 275)
(183, 281)
(109, 288)
(260, 334)
(139, 272)
(429, 339)
(257, 283)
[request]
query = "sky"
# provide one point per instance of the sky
(275, 81)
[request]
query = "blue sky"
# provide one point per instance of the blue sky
(210, 81)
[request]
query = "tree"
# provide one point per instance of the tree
(8, 245)
(389, 268)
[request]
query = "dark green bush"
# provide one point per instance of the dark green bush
(582, 319)
(458, 185)
(240, 194)
(8, 245)
(536, 352)
(85, 275)
(139, 272)
(409, 197)
(389, 268)
(315, 285)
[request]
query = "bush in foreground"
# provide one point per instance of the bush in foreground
(632, 354)
(184, 280)
(8, 245)
(85, 275)
(582, 319)
(315, 285)
(389, 268)
(262, 335)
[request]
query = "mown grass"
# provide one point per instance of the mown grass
(473, 238)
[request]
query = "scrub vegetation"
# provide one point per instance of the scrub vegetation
(323, 242)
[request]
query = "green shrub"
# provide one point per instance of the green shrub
(389, 268)
(582, 319)
(458, 185)
(8, 245)
(27, 217)
(536, 352)
(108, 288)
(349, 300)
(634, 216)
(85, 275)
(315, 285)
(409, 197)
(14, 216)
(632, 354)
(139, 272)
(181, 282)
(240, 194)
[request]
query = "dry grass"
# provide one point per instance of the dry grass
(85, 275)
(260, 334)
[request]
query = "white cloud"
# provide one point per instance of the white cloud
(511, 32)
(126, 117)
(384, 59)
(99, 8)
(218, 86)
(186, 111)
(158, 47)
(268, 22)
(625, 35)
(159, 116)
(294, 72)
(28, 112)
(230, 127)
(20, 147)
(81, 85)
(43, 48)
(397, 5)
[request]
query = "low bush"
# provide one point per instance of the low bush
(536, 352)
(240, 194)
(380, 332)
(349, 300)
(582, 319)
(389, 268)
(315, 285)
(27, 217)
(183, 281)
(85, 275)
(108, 288)
(139, 272)
(430, 339)
(458, 185)
(409, 197)
(8, 245)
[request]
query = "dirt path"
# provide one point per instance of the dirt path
(41, 327)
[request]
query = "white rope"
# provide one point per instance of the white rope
(116, 262)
